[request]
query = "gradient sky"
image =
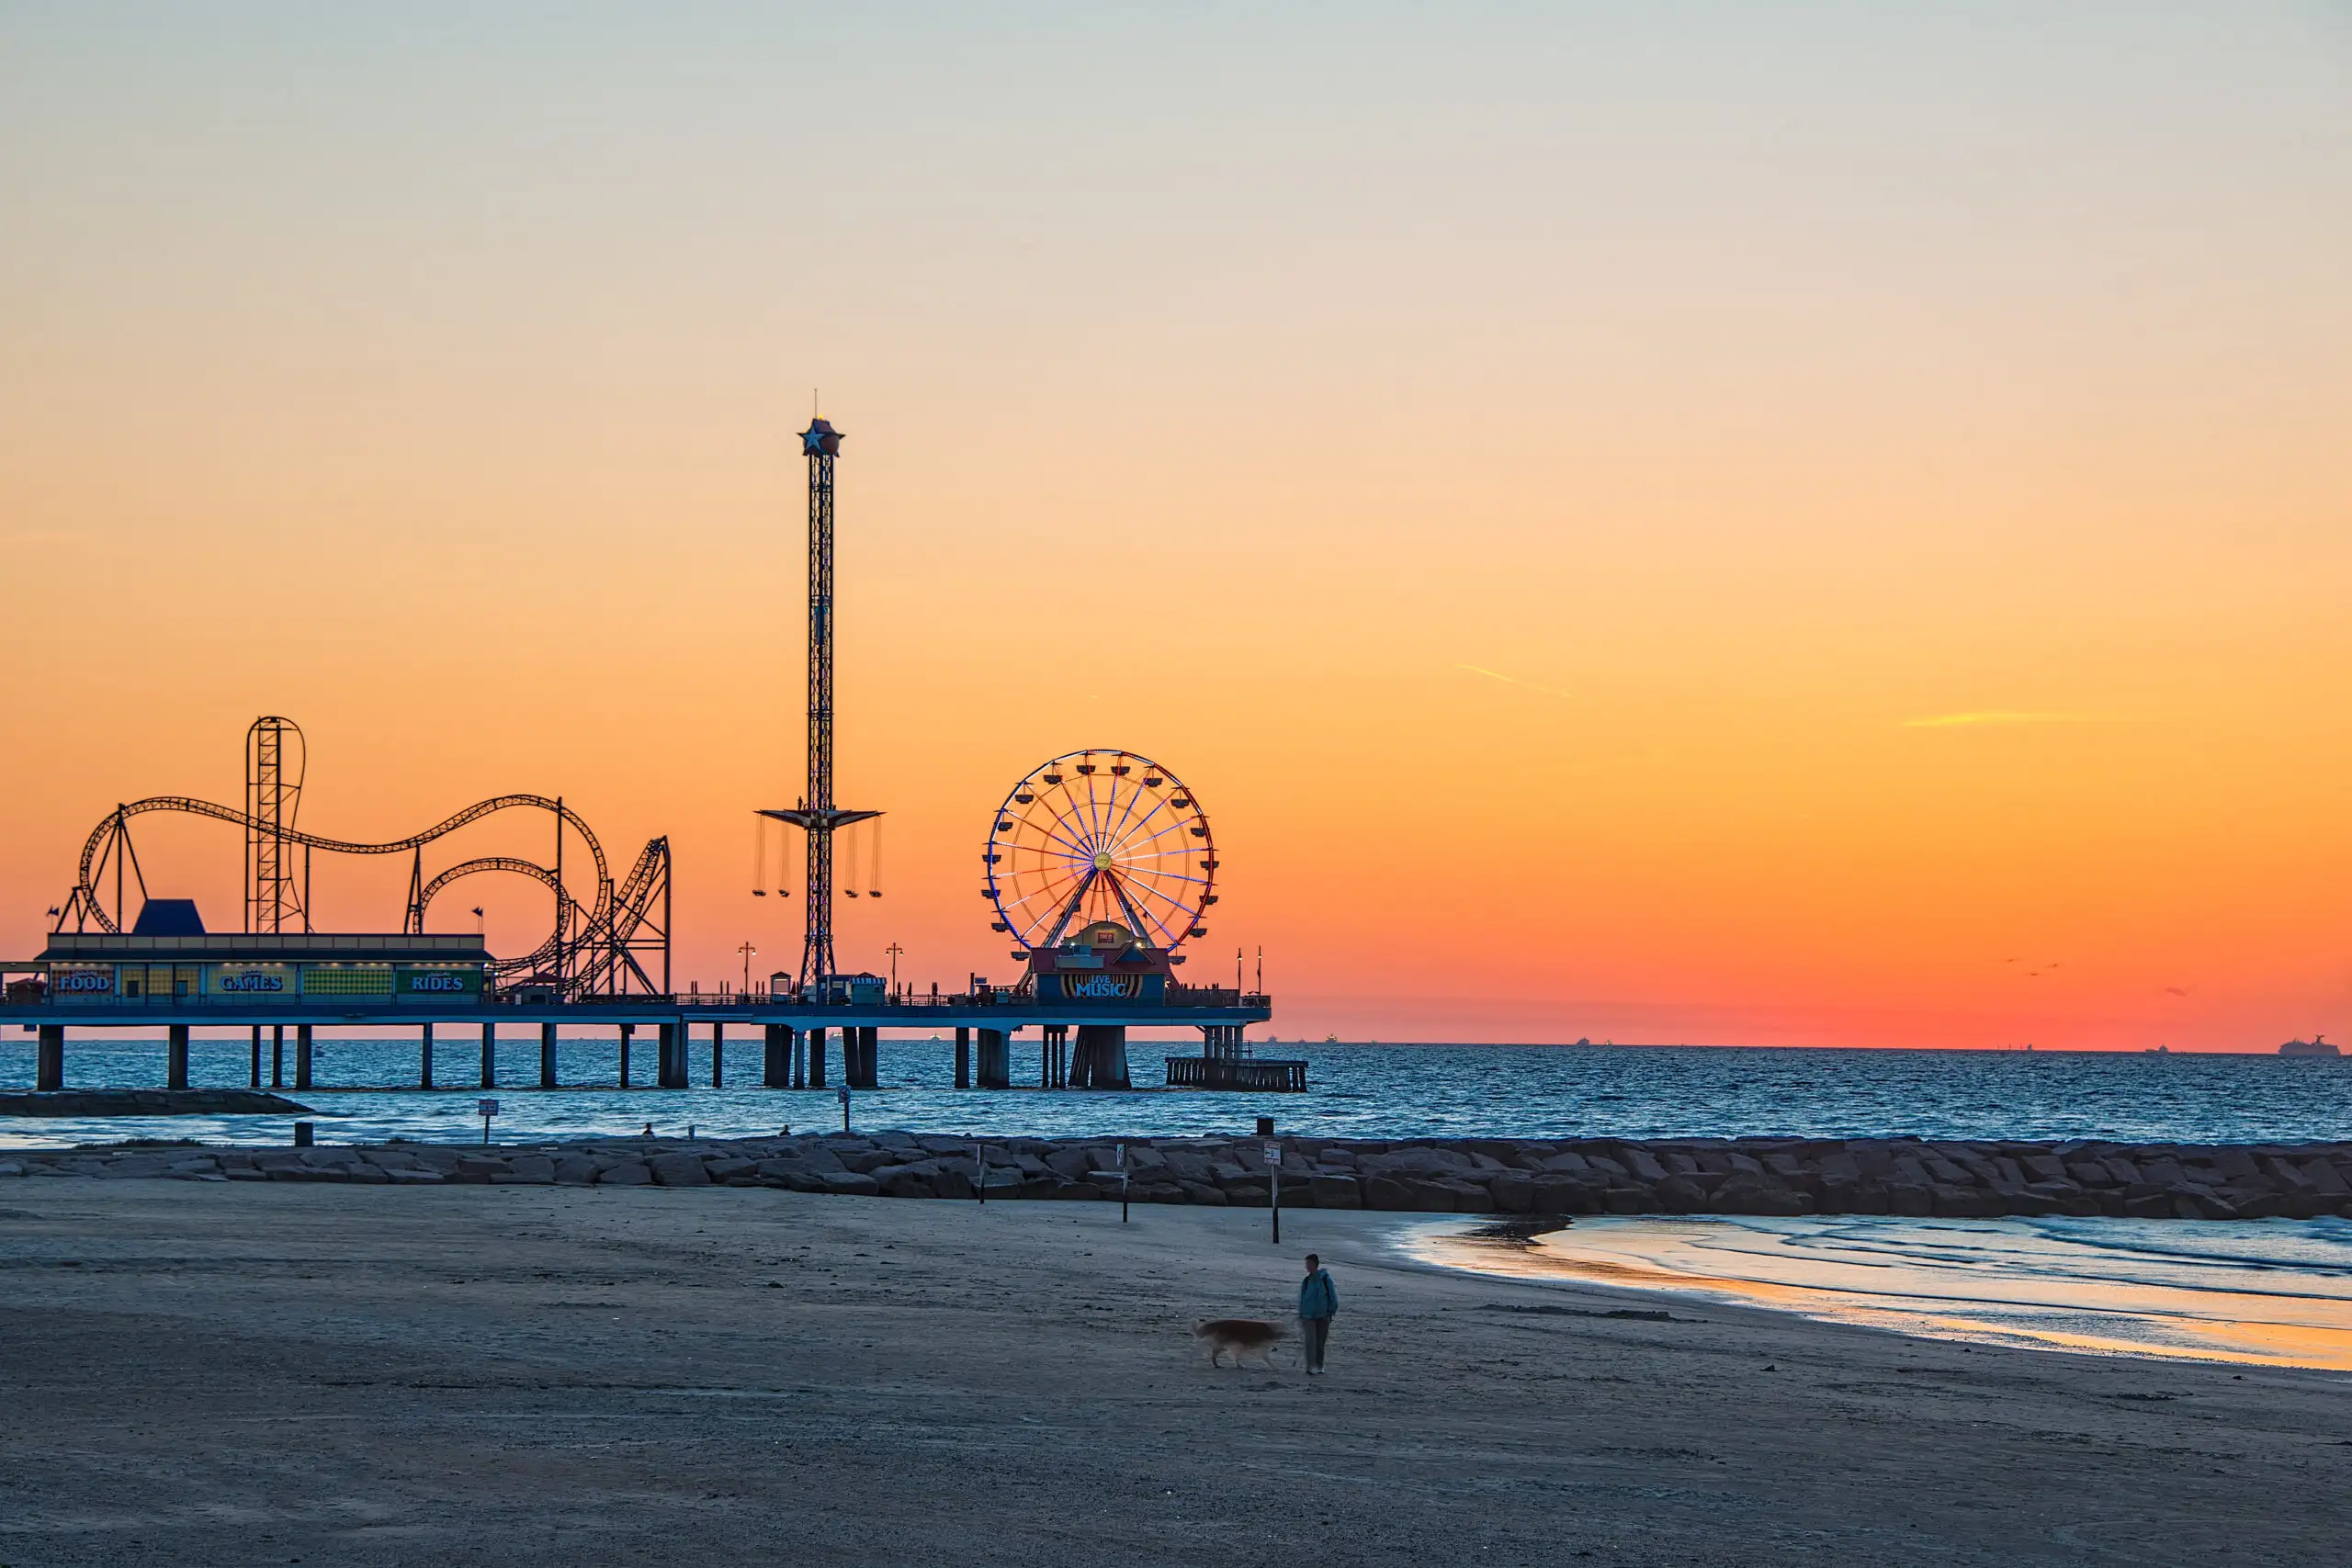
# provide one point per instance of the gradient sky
(1765, 524)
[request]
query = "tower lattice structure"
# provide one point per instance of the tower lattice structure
(817, 816)
(275, 761)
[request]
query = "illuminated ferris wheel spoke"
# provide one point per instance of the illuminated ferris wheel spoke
(1127, 829)
(1176, 904)
(1135, 797)
(1154, 837)
(1054, 832)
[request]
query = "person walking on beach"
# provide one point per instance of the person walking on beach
(1319, 1303)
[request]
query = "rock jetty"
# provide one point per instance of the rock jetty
(150, 1102)
(1598, 1175)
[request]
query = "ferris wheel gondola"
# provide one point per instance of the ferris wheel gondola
(1095, 836)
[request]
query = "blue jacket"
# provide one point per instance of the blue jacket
(1318, 1297)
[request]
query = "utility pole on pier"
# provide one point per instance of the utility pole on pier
(816, 816)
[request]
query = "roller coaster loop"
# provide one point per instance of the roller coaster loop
(594, 953)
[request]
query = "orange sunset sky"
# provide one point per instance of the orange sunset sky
(1776, 524)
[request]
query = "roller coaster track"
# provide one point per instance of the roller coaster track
(607, 933)
(600, 945)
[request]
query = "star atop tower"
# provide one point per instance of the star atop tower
(821, 439)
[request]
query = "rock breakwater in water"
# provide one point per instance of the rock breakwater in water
(1746, 1176)
(150, 1102)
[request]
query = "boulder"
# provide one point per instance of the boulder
(849, 1183)
(575, 1170)
(1420, 1162)
(1913, 1199)
(1186, 1164)
(913, 1180)
(1413, 1194)
(1680, 1195)
(2325, 1179)
(1558, 1195)
(681, 1170)
(1331, 1192)
(629, 1173)
(1513, 1191)
(1956, 1202)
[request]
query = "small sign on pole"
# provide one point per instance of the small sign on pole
(1274, 1187)
(845, 1108)
(485, 1109)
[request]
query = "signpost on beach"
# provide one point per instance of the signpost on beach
(485, 1109)
(1274, 1187)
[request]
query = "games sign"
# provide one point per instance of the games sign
(251, 980)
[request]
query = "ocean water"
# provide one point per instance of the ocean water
(1357, 1090)
(2266, 1292)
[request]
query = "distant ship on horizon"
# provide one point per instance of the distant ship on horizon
(2316, 1045)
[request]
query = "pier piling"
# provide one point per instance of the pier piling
(963, 1056)
(776, 1057)
(816, 1058)
(547, 1055)
(628, 1032)
(489, 1054)
(49, 1065)
(718, 1055)
(256, 1064)
(302, 1044)
(424, 1056)
(175, 1057)
(996, 1059)
(1102, 1056)
(278, 1055)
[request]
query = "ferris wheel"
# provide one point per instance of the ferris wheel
(1101, 836)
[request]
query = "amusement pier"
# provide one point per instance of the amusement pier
(1098, 867)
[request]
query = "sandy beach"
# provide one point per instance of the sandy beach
(235, 1374)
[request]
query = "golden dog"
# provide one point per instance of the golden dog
(1241, 1336)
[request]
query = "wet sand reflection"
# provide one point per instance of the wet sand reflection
(2268, 1293)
